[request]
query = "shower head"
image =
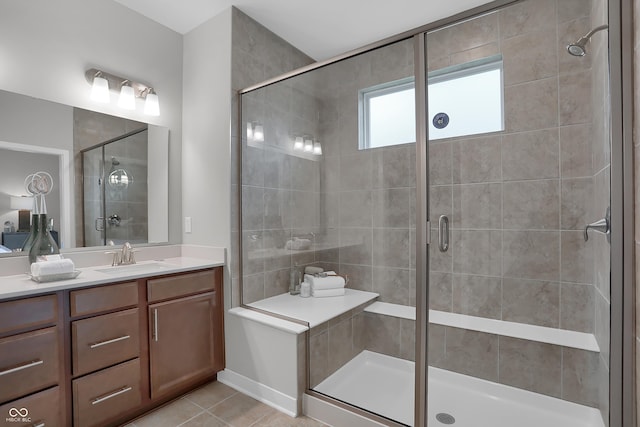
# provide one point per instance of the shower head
(578, 48)
(114, 161)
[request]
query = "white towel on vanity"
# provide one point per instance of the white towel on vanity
(48, 268)
(316, 293)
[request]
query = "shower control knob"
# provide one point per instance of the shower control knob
(601, 226)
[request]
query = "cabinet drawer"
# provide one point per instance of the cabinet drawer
(184, 284)
(105, 340)
(28, 363)
(103, 298)
(40, 409)
(107, 394)
(27, 313)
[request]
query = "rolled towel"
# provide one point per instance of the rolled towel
(312, 270)
(317, 293)
(48, 268)
(323, 283)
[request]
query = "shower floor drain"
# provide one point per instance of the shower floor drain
(445, 418)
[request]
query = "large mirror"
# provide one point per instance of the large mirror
(110, 174)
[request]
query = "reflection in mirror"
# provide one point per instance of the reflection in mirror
(41, 135)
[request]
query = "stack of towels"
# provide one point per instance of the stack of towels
(327, 284)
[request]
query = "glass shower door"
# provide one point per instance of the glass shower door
(518, 167)
(93, 201)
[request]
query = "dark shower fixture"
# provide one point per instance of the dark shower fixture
(578, 48)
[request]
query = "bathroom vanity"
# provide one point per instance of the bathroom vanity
(103, 351)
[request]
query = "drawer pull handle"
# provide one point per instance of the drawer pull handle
(21, 367)
(101, 343)
(110, 395)
(155, 324)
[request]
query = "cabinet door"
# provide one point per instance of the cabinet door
(181, 347)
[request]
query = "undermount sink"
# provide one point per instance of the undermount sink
(149, 267)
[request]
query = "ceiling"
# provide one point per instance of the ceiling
(322, 29)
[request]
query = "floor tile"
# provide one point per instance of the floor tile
(210, 394)
(171, 415)
(241, 411)
(204, 419)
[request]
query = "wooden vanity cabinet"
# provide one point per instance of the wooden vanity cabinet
(31, 356)
(102, 355)
(185, 330)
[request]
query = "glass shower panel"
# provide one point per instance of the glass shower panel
(92, 197)
(346, 207)
(519, 282)
(125, 188)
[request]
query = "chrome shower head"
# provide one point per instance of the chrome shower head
(579, 47)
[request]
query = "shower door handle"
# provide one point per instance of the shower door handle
(443, 233)
(602, 226)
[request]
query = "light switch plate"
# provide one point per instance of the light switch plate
(187, 224)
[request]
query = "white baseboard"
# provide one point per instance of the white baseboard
(265, 394)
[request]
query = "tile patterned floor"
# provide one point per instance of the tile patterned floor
(217, 405)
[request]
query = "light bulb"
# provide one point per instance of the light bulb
(100, 89)
(298, 144)
(308, 146)
(127, 98)
(317, 149)
(249, 131)
(258, 133)
(151, 104)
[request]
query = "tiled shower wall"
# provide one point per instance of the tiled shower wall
(272, 184)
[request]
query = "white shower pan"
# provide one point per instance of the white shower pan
(385, 385)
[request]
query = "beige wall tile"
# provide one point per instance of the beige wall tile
(540, 111)
(477, 160)
(476, 252)
(440, 291)
(477, 295)
(532, 302)
(472, 353)
(531, 365)
(526, 17)
(577, 258)
(532, 255)
(576, 196)
(530, 155)
(529, 57)
(477, 206)
(580, 376)
(532, 205)
(577, 307)
(574, 94)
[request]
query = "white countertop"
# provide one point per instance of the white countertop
(20, 285)
(314, 310)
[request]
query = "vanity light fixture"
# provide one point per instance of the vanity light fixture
(317, 148)
(99, 87)
(102, 82)
(249, 131)
(151, 103)
(308, 146)
(298, 143)
(127, 98)
(258, 133)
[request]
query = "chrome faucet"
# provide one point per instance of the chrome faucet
(124, 256)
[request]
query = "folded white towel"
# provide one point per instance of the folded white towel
(297, 244)
(48, 268)
(322, 283)
(321, 293)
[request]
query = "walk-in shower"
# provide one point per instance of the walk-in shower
(115, 208)
(459, 167)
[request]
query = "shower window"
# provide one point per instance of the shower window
(465, 99)
(387, 114)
